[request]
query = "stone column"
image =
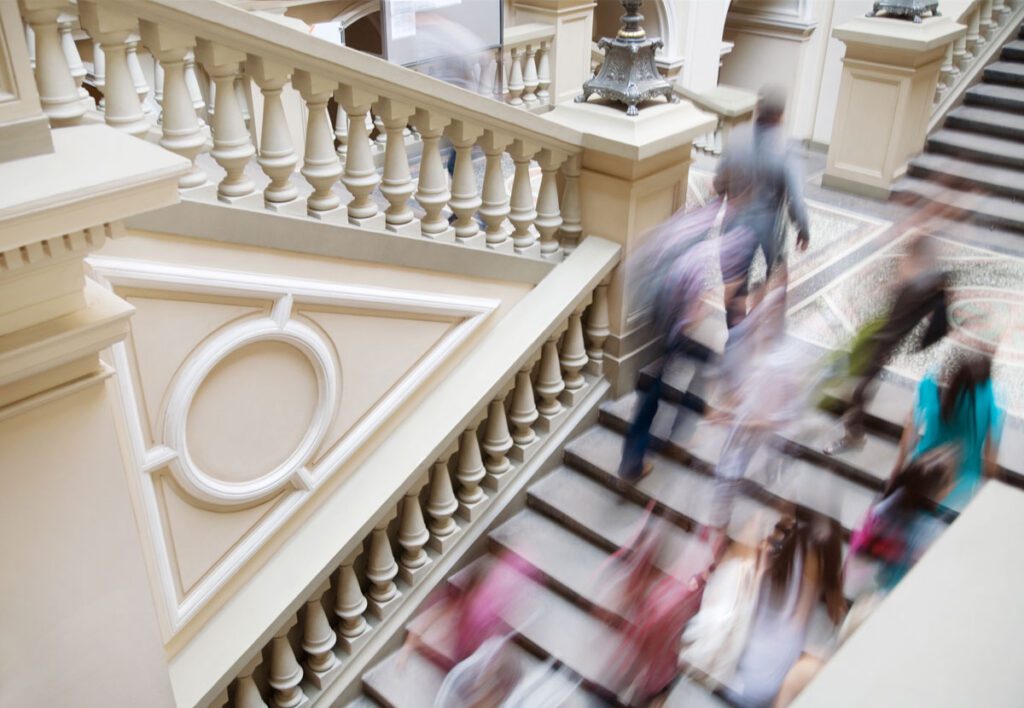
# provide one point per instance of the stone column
(886, 93)
(568, 53)
(633, 174)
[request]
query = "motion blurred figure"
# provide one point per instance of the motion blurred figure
(920, 294)
(957, 406)
(762, 183)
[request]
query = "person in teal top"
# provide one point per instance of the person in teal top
(964, 413)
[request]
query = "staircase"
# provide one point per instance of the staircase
(980, 147)
(578, 515)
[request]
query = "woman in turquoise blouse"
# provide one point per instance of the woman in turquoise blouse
(962, 412)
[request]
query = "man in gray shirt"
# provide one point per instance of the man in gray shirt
(758, 175)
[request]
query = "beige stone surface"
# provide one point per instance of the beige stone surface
(80, 628)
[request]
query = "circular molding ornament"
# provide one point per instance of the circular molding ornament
(293, 471)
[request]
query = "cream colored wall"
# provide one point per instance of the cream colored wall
(257, 405)
(832, 68)
(79, 625)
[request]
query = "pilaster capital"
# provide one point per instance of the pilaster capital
(354, 100)
(523, 150)
(165, 42)
(218, 59)
(267, 74)
(463, 134)
(493, 143)
(430, 125)
(313, 87)
(106, 24)
(393, 113)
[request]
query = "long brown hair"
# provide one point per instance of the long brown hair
(926, 477)
(968, 373)
(818, 537)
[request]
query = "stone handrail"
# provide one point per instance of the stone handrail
(485, 431)
(732, 106)
(989, 23)
(234, 48)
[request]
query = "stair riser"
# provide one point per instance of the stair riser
(917, 170)
(992, 158)
(667, 448)
(1012, 54)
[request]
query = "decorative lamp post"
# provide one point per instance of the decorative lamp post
(628, 74)
(906, 9)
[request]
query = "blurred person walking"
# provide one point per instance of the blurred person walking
(956, 407)
(920, 294)
(759, 177)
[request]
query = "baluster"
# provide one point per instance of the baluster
(572, 210)
(495, 205)
(58, 92)
(113, 30)
(137, 74)
(232, 145)
(192, 81)
(945, 75)
(544, 72)
(247, 695)
(496, 444)
(1000, 11)
(549, 216)
(360, 175)
(349, 606)
(432, 191)
(573, 358)
(530, 81)
(241, 87)
(181, 133)
(320, 165)
(523, 414)
(381, 570)
(597, 330)
(975, 40)
(465, 200)
(318, 640)
(515, 78)
(65, 23)
(412, 537)
(469, 471)
(960, 54)
(341, 130)
(277, 156)
(985, 24)
(522, 213)
(396, 186)
(381, 139)
(285, 672)
(158, 86)
(441, 505)
(549, 386)
(99, 71)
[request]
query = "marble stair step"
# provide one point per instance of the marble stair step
(676, 380)
(886, 411)
(964, 173)
(978, 147)
(685, 494)
(690, 694)
(990, 210)
(1010, 73)
(986, 120)
(568, 563)
(409, 683)
(595, 512)
(1013, 51)
(363, 701)
(1007, 98)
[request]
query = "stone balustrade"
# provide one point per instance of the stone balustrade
(379, 108)
(524, 72)
(731, 105)
(988, 23)
(309, 650)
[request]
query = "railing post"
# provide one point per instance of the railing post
(181, 131)
(523, 414)
(277, 155)
(549, 215)
(58, 92)
(572, 218)
(530, 81)
(320, 165)
(432, 191)
(397, 186)
(412, 537)
(285, 671)
(496, 444)
(573, 358)
(349, 606)
(469, 470)
(360, 176)
(597, 330)
(522, 213)
(381, 570)
(515, 77)
(549, 386)
(318, 640)
(232, 144)
(112, 29)
(495, 206)
(441, 505)
(465, 199)
(544, 72)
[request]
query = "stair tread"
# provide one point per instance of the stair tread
(1006, 67)
(689, 694)
(412, 683)
(986, 119)
(890, 405)
(978, 144)
(682, 490)
(988, 207)
(363, 701)
(999, 94)
(676, 379)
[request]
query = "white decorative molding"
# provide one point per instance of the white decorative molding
(297, 477)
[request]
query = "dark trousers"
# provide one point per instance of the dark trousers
(638, 437)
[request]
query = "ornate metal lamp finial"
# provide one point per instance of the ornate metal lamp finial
(628, 73)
